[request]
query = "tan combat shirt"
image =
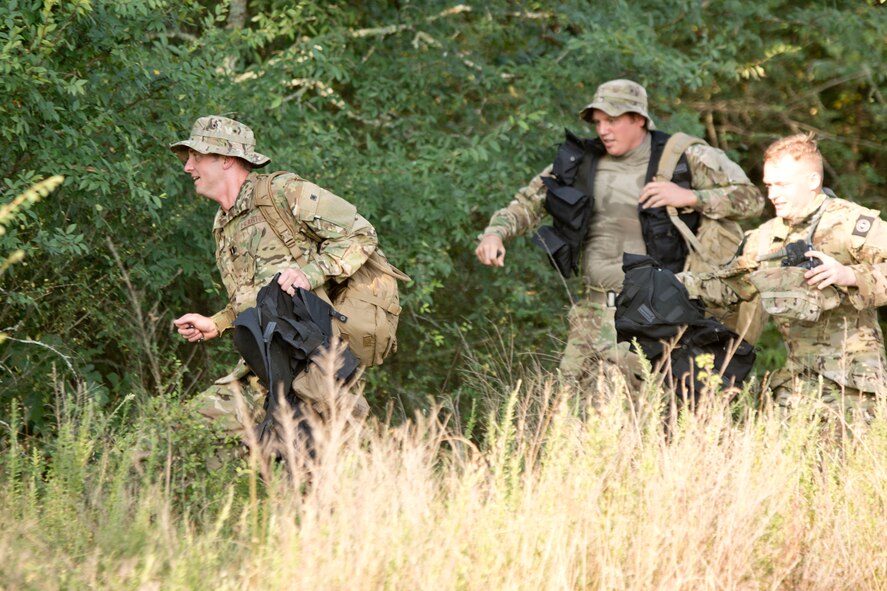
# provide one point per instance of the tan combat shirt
(615, 226)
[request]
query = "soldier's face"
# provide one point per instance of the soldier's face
(791, 186)
(619, 134)
(207, 172)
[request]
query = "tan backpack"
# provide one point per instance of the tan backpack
(368, 301)
(713, 246)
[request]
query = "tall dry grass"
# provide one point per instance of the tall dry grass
(553, 498)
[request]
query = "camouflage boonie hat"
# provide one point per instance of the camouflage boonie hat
(220, 135)
(785, 292)
(617, 97)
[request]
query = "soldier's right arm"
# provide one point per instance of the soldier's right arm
(520, 216)
(224, 318)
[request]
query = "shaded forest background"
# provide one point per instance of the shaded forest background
(426, 115)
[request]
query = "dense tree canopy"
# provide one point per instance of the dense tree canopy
(427, 115)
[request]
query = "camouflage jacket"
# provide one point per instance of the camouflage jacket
(334, 240)
(723, 189)
(845, 343)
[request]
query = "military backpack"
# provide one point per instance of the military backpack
(367, 303)
(716, 241)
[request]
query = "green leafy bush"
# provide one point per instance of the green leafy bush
(428, 116)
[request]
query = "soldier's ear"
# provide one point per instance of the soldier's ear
(227, 162)
(814, 182)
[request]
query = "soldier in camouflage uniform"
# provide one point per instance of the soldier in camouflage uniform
(335, 241)
(719, 189)
(826, 310)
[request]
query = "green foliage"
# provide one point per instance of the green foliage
(427, 115)
(100, 488)
(9, 211)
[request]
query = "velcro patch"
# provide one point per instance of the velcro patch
(648, 314)
(252, 220)
(863, 225)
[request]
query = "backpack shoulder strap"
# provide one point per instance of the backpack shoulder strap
(276, 211)
(674, 148)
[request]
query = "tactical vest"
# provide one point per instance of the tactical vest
(570, 201)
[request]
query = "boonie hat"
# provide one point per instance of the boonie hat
(219, 135)
(617, 97)
(785, 292)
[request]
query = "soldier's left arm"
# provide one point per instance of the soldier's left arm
(721, 186)
(729, 285)
(868, 248)
(345, 239)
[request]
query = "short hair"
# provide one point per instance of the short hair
(801, 146)
(244, 164)
(240, 162)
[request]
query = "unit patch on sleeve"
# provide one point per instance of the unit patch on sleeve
(863, 225)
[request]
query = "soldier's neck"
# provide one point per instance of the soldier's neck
(233, 185)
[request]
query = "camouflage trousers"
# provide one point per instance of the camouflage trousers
(592, 356)
(218, 403)
(791, 390)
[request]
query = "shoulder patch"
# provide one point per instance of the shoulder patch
(316, 203)
(863, 225)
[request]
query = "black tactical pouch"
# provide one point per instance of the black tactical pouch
(558, 251)
(571, 211)
(569, 157)
(567, 205)
(662, 238)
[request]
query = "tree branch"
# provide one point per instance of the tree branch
(393, 29)
(236, 14)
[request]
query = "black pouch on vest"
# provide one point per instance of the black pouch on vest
(557, 249)
(570, 210)
(567, 205)
(663, 239)
(569, 157)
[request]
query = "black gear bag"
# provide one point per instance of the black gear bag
(278, 338)
(654, 305)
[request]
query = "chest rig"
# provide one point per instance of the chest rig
(570, 201)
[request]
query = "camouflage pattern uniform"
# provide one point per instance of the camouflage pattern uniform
(831, 334)
(723, 190)
(334, 241)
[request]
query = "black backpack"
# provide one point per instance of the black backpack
(654, 305)
(278, 338)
